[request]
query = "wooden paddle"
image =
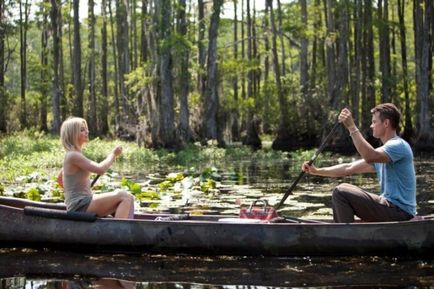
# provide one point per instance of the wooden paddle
(94, 180)
(319, 150)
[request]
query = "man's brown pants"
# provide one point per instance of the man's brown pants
(349, 201)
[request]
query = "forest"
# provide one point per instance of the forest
(166, 73)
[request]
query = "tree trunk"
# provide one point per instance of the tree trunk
(116, 72)
(357, 61)
(283, 139)
(211, 97)
(62, 100)
(134, 38)
(422, 21)
(266, 122)
(103, 116)
(123, 57)
(23, 60)
(235, 128)
(368, 70)
(384, 43)
(56, 90)
(342, 73)
(408, 132)
(251, 138)
(282, 42)
(143, 38)
(332, 89)
(304, 73)
(167, 130)
(201, 81)
(3, 97)
(93, 124)
(184, 131)
(44, 68)
(78, 90)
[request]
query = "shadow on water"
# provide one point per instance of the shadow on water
(23, 268)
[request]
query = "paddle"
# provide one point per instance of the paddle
(94, 180)
(319, 150)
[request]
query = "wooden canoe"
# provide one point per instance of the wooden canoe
(23, 224)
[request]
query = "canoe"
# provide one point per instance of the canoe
(35, 224)
(366, 272)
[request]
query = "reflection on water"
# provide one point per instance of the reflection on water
(49, 269)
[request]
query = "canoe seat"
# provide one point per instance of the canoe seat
(59, 214)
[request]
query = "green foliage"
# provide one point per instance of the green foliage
(137, 79)
(134, 188)
(34, 194)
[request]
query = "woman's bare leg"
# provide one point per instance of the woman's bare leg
(121, 203)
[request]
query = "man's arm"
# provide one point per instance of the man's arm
(365, 149)
(341, 170)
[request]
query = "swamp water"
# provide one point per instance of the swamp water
(241, 181)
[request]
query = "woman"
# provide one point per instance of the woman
(74, 177)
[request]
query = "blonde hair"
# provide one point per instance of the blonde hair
(70, 131)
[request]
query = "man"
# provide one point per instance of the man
(393, 163)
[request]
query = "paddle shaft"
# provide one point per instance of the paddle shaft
(94, 180)
(312, 160)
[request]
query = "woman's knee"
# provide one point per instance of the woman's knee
(125, 196)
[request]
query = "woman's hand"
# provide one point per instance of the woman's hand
(117, 151)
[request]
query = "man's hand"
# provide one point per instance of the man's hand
(310, 169)
(346, 118)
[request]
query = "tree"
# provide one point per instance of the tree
(283, 138)
(123, 55)
(235, 128)
(93, 125)
(167, 129)
(45, 75)
(408, 125)
(184, 132)
(252, 137)
(211, 102)
(3, 99)
(384, 43)
(422, 13)
(56, 90)
(116, 70)
(23, 59)
(368, 70)
(78, 90)
(201, 80)
(103, 116)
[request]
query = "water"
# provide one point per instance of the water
(49, 269)
(244, 180)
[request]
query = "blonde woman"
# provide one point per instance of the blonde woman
(74, 176)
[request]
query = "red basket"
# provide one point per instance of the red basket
(261, 212)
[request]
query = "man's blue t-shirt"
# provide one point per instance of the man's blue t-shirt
(398, 177)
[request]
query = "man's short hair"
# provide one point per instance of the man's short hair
(388, 111)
